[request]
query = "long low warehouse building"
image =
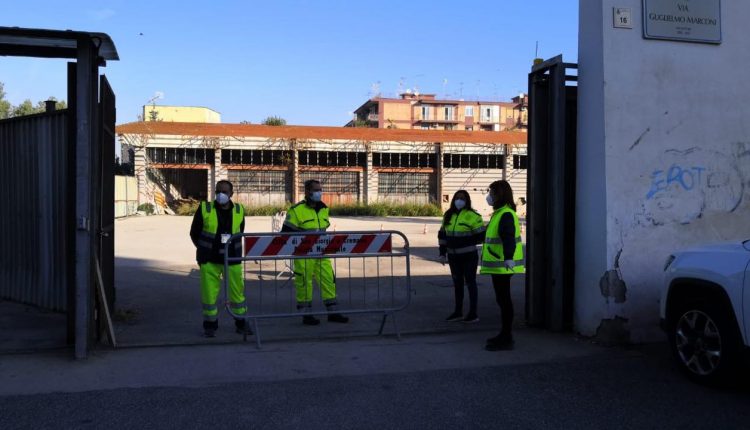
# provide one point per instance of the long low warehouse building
(269, 164)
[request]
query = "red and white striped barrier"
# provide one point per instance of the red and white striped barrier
(327, 244)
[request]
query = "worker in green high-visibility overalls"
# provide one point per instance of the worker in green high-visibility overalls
(311, 214)
(214, 223)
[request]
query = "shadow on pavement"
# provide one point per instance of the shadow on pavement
(158, 307)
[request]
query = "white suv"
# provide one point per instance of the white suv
(705, 309)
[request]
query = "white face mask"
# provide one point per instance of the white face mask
(316, 196)
(460, 203)
(222, 198)
(490, 201)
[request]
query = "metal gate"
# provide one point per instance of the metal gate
(338, 187)
(106, 242)
(37, 241)
(550, 238)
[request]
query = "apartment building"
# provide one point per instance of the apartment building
(424, 111)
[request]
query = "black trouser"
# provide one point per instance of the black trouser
(501, 284)
(464, 268)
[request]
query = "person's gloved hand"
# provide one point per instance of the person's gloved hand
(443, 259)
(510, 264)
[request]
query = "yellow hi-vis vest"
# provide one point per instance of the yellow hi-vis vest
(493, 258)
(302, 217)
(458, 235)
(211, 225)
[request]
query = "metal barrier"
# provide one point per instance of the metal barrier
(384, 288)
(277, 222)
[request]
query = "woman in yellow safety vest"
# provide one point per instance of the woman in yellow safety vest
(502, 257)
(461, 231)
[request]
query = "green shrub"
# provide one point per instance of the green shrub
(386, 209)
(186, 207)
(146, 207)
(268, 210)
(353, 210)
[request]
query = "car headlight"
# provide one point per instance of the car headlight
(668, 262)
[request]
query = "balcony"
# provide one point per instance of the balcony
(437, 119)
(373, 117)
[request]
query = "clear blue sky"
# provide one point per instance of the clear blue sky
(310, 62)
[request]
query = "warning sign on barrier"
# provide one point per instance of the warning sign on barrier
(313, 244)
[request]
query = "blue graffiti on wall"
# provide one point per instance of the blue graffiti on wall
(686, 178)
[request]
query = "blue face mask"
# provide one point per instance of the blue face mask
(460, 203)
(316, 196)
(222, 198)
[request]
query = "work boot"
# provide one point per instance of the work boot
(455, 316)
(338, 318)
(242, 327)
(470, 319)
(310, 320)
(501, 342)
(209, 328)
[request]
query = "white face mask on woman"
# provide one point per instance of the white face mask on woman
(460, 204)
(490, 200)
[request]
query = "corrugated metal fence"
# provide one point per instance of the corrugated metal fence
(36, 232)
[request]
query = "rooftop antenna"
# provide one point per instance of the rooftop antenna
(375, 90)
(400, 85)
(536, 51)
(158, 95)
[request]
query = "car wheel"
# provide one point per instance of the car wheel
(705, 342)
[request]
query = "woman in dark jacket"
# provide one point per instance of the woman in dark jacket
(461, 231)
(502, 256)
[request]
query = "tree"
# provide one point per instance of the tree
(42, 106)
(361, 123)
(5, 107)
(153, 115)
(7, 110)
(25, 108)
(274, 120)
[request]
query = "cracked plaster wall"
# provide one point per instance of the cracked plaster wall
(663, 159)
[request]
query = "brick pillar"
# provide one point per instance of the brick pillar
(371, 186)
(215, 174)
(145, 194)
(506, 148)
(367, 178)
(439, 173)
(294, 171)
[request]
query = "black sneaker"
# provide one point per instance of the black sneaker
(310, 320)
(242, 328)
(493, 339)
(209, 328)
(470, 319)
(338, 318)
(455, 316)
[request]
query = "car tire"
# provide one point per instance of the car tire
(705, 342)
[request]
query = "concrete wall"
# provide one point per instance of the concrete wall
(182, 114)
(398, 113)
(126, 196)
(663, 160)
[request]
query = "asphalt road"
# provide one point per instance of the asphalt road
(615, 389)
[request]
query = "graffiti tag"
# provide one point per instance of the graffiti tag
(686, 178)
